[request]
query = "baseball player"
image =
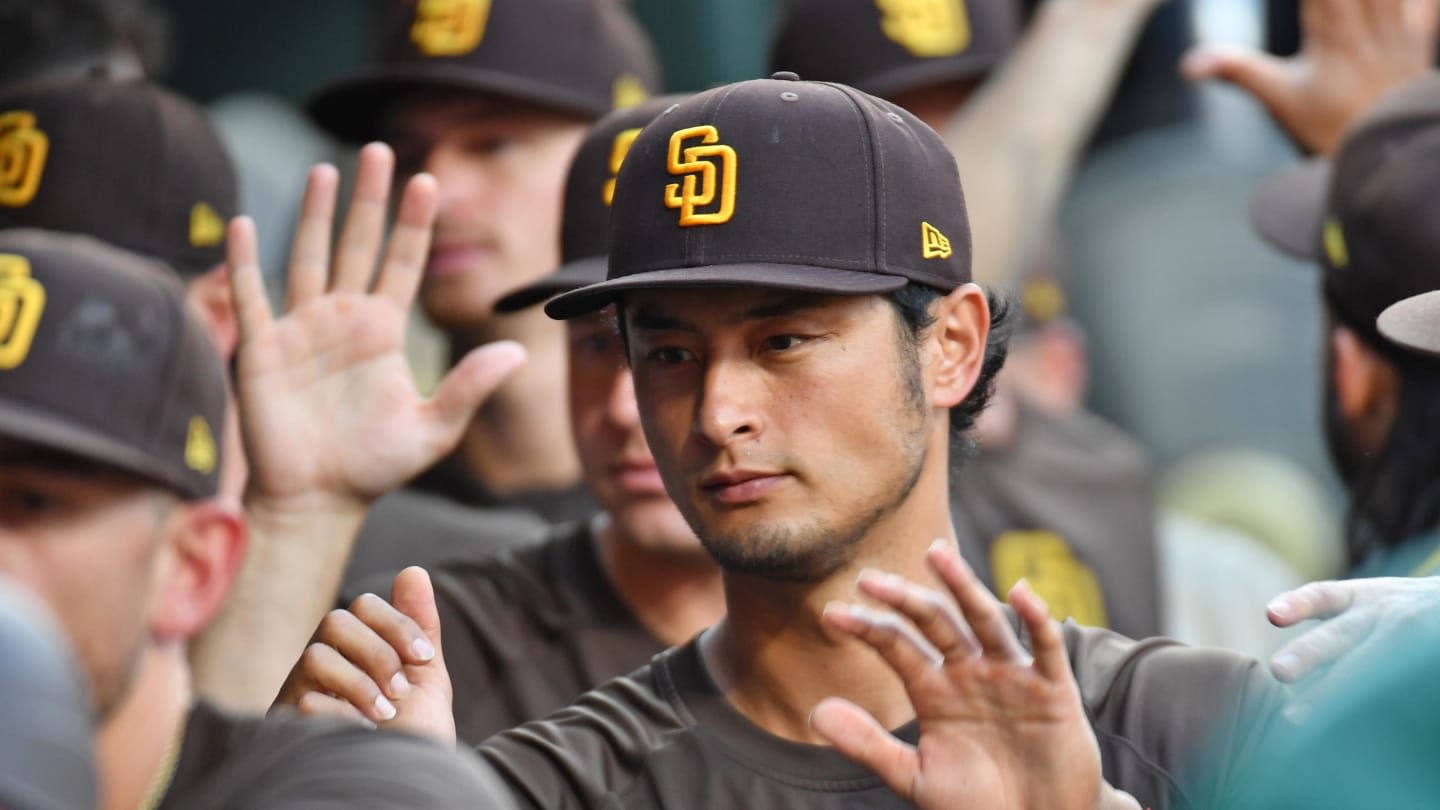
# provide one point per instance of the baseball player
(111, 399)
(790, 266)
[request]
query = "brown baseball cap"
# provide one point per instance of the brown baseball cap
(887, 47)
(786, 184)
(582, 57)
(1370, 217)
(124, 161)
(1414, 323)
(100, 358)
(589, 188)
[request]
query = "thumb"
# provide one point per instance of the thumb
(860, 737)
(1263, 76)
(468, 384)
(413, 594)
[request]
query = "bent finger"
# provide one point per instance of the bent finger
(1320, 647)
(979, 608)
(332, 673)
(857, 735)
(318, 704)
(932, 612)
(1314, 600)
(897, 641)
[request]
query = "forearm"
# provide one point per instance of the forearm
(1017, 141)
(289, 582)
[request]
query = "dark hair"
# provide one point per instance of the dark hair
(912, 308)
(1396, 494)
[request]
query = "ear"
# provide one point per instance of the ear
(210, 298)
(1360, 375)
(206, 548)
(962, 325)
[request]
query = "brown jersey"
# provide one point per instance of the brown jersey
(273, 763)
(666, 737)
(528, 631)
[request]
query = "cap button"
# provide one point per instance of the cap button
(785, 76)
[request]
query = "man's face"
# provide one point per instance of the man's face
(501, 173)
(606, 422)
(87, 541)
(785, 426)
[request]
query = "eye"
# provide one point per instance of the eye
(669, 356)
(782, 343)
(594, 345)
(19, 504)
(488, 145)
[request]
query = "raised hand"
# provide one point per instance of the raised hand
(379, 663)
(1000, 727)
(327, 399)
(1352, 52)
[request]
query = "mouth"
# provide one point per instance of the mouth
(737, 487)
(638, 478)
(454, 258)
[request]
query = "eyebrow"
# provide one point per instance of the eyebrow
(649, 319)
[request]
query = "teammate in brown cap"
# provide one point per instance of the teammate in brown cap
(530, 630)
(110, 400)
(1054, 494)
(790, 263)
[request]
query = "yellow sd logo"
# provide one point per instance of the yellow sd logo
(926, 28)
(711, 166)
(1045, 561)
(449, 27)
(22, 158)
(207, 229)
(21, 301)
(623, 142)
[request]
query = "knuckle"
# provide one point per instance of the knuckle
(334, 624)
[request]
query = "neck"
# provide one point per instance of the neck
(775, 659)
(132, 743)
(674, 594)
(520, 439)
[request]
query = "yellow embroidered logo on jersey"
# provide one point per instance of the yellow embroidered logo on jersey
(22, 299)
(1045, 561)
(207, 229)
(618, 151)
(926, 28)
(449, 27)
(22, 158)
(1335, 248)
(933, 244)
(712, 166)
(628, 92)
(200, 454)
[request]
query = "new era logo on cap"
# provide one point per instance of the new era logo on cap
(933, 244)
(711, 166)
(22, 299)
(449, 27)
(22, 157)
(926, 28)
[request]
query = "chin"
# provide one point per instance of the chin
(781, 553)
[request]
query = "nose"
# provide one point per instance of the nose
(622, 407)
(729, 409)
(462, 180)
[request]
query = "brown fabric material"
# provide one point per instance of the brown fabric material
(281, 762)
(832, 191)
(529, 630)
(846, 41)
(1082, 481)
(129, 163)
(570, 56)
(665, 737)
(116, 369)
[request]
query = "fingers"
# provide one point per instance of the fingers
(467, 385)
(364, 228)
(857, 735)
(413, 595)
(980, 610)
(899, 643)
(1047, 645)
(1265, 77)
(1321, 646)
(310, 255)
(933, 614)
(318, 704)
(252, 308)
(326, 670)
(402, 638)
(409, 247)
(1316, 600)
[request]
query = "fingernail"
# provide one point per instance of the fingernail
(1285, 665)
(399, 686)
(422, 649)
(940, 544)
(866, 573)
(1279, 608)
(384, 708)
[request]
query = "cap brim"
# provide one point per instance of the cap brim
(1414, 323)
(46, 430)
(570, 276)
(352, 108)
(929, 73)
(798, 277)
(1287, 209)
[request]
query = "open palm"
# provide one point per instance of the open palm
(328, 402)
